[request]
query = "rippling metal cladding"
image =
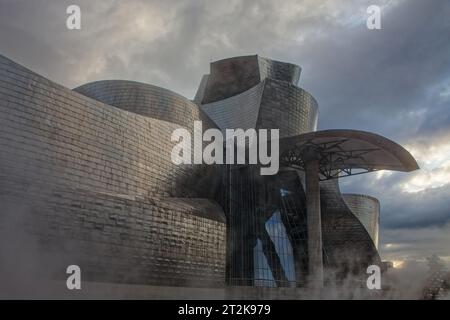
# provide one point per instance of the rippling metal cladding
(367, 210)
(87, 174)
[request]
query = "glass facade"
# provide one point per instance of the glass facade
(278, 235)
(266, 228)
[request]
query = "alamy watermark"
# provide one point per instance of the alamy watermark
(373, 21)
(73, 281)
(73, 21)
(374, 280)
(241, 147)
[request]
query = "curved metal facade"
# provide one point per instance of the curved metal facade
(93, 185)
(239, 111)
(286, 72)
(270, 104)
(367, 210)
(288, 108)
(91, 169)
(266, 216)
(348, 245)
(229, 77)
(146, 100)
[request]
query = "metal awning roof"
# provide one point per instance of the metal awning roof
(346, 152)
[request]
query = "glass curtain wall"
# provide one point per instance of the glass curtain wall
(266, 227)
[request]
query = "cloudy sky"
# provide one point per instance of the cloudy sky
(394, 81)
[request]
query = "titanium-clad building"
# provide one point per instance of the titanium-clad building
(267, 217)
(92, 184)
(367, 210)
(86, 178)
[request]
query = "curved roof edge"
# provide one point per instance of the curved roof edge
(351, 194)
(258, 57)
(146, 100)
(80, 88)
(343, 140)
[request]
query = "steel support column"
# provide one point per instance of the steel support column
(313, 219)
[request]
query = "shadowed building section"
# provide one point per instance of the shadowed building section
(229, 77)
(252, 92)
(367, 210)
(347, 246)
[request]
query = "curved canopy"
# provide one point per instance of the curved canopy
(341, 151)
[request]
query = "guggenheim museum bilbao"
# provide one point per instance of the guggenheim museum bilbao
(86, 179)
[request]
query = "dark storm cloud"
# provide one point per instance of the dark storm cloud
(416, 224)
(372, 79)
(377, 77)
(423, 209)
(394, 81)
(400, 209)
(416, 244)
(436, 119)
